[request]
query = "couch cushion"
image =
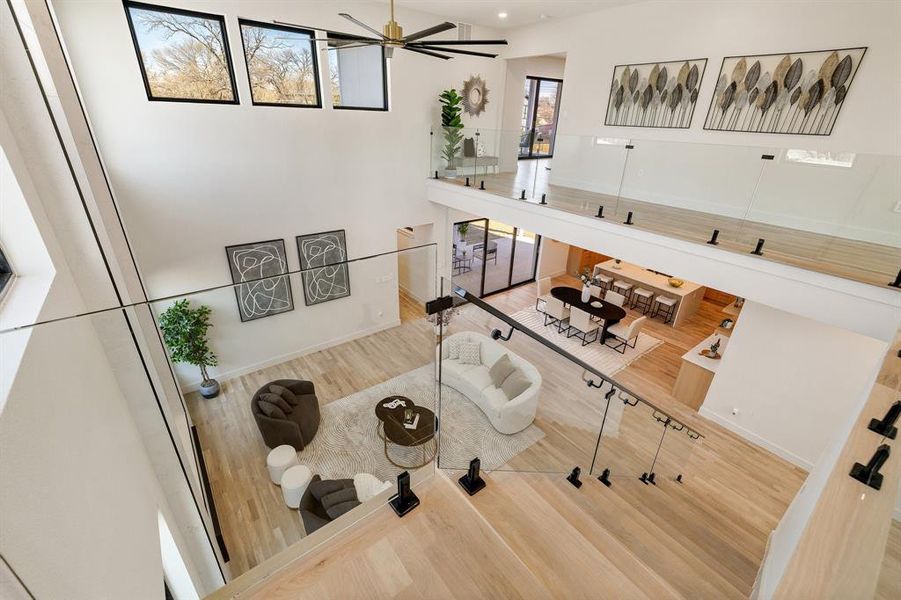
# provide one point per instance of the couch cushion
(285, 393)
(479, 377)
(494, 399)
(278, 401)
(336, 510)
(501, 369)
(455, 367)
(470, 353)
(515, 384)
(271, 410)
(339, 496)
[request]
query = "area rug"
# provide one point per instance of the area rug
(348, 441)
(605, 359)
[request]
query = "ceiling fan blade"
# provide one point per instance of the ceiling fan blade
(430, 31)
(464, 42)
(362, 24)
(342, 43)
(332, 34)
(428, 52)
(451, 50)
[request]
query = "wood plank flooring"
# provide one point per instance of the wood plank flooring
(889, 585)
(745, 484)
(536, 536)
(870, 263)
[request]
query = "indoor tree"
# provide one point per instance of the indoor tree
(184, 331)
(452, 125)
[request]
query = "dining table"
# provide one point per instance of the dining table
(607, 311)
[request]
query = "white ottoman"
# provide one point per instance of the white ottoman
(278, 461)
(294, 483)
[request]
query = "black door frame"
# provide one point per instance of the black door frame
(510, 285)
(534, 116)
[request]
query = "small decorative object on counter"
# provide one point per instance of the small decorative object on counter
(727, 324)
(714, 350)
(676, 282)
(616, 264)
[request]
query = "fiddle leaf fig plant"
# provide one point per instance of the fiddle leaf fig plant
(185, 333)
(451, 123)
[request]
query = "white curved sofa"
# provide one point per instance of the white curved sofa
(474, 382)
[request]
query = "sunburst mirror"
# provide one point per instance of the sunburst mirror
(475, 95)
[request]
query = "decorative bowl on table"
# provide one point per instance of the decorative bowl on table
(596, 303)
(676, 282)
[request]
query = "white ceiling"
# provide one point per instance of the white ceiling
(519, 12)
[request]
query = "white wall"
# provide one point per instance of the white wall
(552, 258)
(789, 383)
(416, 268)
(202, 177)
(721, 180)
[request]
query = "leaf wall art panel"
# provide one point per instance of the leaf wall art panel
(800, 93)
(661, 94)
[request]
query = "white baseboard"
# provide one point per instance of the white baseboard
(193, 386)
(756, 439)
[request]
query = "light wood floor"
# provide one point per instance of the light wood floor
(536, 536)
(861, 261)
(889, 586)
(748, 487)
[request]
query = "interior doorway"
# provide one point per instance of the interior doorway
(541, 100)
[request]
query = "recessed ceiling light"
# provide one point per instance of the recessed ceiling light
(501, 15)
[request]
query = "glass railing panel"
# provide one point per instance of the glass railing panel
(549, 425)
(323, 377)
(630, 439)
(678, 453)
(833, 207)
(710, 187)
(586, 173)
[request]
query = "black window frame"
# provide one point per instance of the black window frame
(317, 75)
(127, 4)
(6, 273)
(384, 107)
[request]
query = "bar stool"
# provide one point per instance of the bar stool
(665, 307)
(624, 288)
(642, 300)
(605, 282)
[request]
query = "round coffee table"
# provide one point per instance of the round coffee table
(390, 413)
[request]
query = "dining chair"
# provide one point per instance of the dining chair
(596, 291)
(544, 292)
(582, 327)
(615, 298)
(555, 312)
(622, 334)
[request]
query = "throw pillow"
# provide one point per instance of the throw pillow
(515, 384)
(480, 150)
(337, 497)
(469, 147)
(278, 401)
(501, 369)
(285, 393)
(470, 353)
(271, 410)
(453, 348)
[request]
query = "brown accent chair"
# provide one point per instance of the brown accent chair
(326, 500)
(300, 426)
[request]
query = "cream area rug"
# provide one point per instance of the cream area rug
(348, 439)
(605, 359)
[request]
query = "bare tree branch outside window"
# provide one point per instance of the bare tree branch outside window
(281, 64)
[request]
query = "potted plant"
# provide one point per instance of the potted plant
(452, 126)
(184, 331)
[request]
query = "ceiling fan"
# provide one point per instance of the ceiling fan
(392, 36)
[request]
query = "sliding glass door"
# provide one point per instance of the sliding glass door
(490, 256)
(539, 117)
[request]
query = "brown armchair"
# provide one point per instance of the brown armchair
(299, 426)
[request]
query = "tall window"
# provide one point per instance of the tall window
(281, 64)
(183, 54)
(359, 77)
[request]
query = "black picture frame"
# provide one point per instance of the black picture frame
(314, 50)
(128, 4)
(850, 80)
(240, 285)
(613, 78)
(309, 272)
(384, 107)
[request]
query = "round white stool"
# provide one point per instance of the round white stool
(278, 461)
(294, 483)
